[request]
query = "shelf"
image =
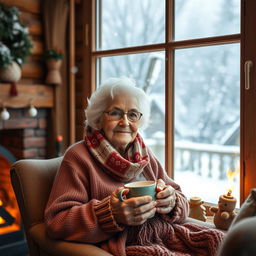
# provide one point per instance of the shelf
(40, 95)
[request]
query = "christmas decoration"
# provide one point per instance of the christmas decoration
(224, 213)
(15, 46)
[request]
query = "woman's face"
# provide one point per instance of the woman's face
(120, 132)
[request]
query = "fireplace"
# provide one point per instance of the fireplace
(21, 137)
(12, 239)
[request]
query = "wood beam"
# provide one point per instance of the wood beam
(40, 95)
(33, 6)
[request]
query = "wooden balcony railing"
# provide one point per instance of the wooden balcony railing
(203, 159)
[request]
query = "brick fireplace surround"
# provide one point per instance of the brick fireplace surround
(23, 137)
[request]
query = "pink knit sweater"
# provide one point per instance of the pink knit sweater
(79, 210)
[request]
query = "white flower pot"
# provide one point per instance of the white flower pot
(12, 73)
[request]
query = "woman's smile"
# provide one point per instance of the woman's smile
(121, 132)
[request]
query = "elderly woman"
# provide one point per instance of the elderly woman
(84, 205)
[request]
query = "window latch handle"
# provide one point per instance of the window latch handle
(247, 68)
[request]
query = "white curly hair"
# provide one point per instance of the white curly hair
(100, 100)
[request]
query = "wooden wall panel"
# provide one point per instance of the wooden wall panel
(32, 6)
(38, 95)
(80, 116)
(80, 100)
(79, 51)
(33, 22)
(32, 83)
(79, 132)
(79, 85)
(37, 47)
(32, 70)
(31, 17)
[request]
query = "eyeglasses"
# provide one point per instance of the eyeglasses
(117, 114)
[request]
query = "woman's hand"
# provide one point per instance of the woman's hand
(165, 197)
(133, 211)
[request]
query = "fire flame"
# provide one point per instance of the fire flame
(1, 219)
(231, 176)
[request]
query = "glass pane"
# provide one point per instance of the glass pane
(200, 18)
(123, 23)
(148, 71)
(207, 120)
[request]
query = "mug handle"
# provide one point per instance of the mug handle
(120, 194)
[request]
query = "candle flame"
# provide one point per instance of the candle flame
(231, 174)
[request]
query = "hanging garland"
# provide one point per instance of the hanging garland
(15, 44)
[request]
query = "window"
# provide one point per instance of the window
(188, 61)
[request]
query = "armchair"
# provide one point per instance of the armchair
(32, 181)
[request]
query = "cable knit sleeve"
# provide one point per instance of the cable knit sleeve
(78, 208)
(105, 217)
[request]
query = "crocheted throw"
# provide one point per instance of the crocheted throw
(158, 237)
(162, 236)
(122, 168)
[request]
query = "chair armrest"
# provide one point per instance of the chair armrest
(240, 239)
(63, 248)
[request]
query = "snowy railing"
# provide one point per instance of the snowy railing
(203, 159)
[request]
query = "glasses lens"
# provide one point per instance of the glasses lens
(115, 114)
(133, 115)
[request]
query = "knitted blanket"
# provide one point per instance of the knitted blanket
(157, 237)
(164, 235)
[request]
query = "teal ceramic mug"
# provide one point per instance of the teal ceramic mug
(139, 188)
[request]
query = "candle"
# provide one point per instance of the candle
(229, 195)
(224, 213)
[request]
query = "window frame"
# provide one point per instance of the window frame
(90, 55)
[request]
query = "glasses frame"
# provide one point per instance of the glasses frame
(124, 113)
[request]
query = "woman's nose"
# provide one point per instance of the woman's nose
(124, 120)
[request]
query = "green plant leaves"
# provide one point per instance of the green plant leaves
(14, 36)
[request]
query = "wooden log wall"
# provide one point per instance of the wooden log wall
(33, 71)
(31, 89)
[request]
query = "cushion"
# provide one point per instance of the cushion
(248, 208)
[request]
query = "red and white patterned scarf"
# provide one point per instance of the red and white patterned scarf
(124, 168)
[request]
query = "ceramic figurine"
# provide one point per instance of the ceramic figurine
(196, 208)
(224, 213)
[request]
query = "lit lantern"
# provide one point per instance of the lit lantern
(224, 213)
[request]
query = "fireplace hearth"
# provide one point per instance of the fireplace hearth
(12, 238)
(21, 137)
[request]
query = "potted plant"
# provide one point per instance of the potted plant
(15, 44)
(54, 54)
(5, 56)
(53, 58)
